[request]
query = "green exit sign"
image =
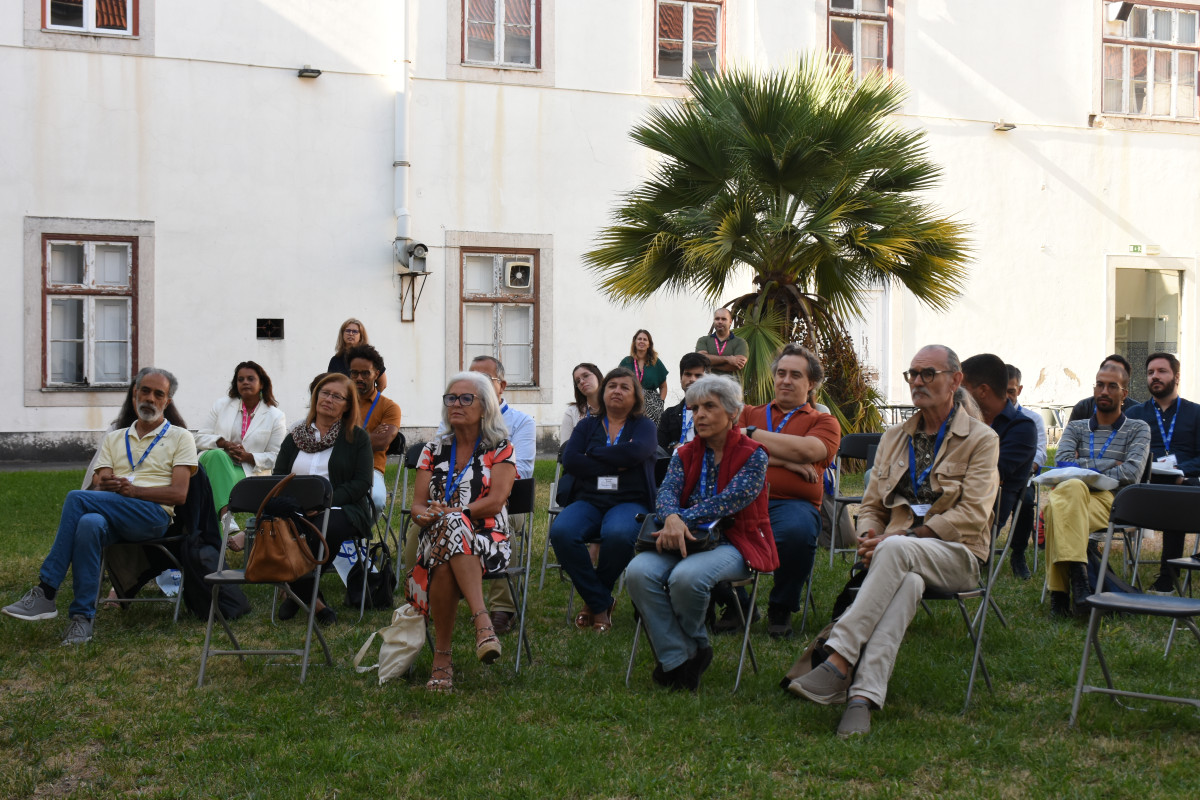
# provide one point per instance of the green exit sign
(1135, 248)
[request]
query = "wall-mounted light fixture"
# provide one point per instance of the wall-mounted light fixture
(309, 72)
(1002, 126)
(413, 272)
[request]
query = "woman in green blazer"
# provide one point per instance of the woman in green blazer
(329, 444)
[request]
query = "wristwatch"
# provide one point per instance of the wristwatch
(750, 429)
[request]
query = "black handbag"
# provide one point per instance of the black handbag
(707, 536)
(380, 583)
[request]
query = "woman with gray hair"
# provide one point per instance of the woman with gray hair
(718, 476)
(463, 482)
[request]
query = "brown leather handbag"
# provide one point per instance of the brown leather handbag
(280, 553)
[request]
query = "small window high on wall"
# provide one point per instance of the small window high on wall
(111, 17)
(859, 31)
(1150, 61)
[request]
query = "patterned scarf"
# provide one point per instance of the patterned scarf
(305, 437)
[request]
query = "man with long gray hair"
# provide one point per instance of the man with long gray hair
(141, 475)
(924, 521)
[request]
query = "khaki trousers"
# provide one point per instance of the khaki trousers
(1072, 512)
(868, 635)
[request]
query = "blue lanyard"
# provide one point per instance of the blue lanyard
(1167, 435)
(503, 406)
(1107, 442)
(609, 440)
(129, 450)
(452, 485)
(687, 426)
(372, 409)
(785, 419)
(919, 480)
(704, 468)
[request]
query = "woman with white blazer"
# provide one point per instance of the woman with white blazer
(241, 437)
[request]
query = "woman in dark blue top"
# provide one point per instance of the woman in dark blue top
(610, 459)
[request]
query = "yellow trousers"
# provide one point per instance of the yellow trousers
(1072, 513)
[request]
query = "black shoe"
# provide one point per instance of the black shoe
(731, 622)
(671, 679)
(287, 609)
(1060, 605)
(326, 616)
(695, 667)
(1164, 584)
(1081, 588)
(1019, 568)
(779, 622)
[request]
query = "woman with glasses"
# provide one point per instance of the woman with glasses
(329, 444)
(241, 437)
(610, 458)
(717, 477)
(463, 482)
(351, 335)
(586, 378)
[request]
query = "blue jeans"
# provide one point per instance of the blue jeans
(796, 524)
(672, 595)
(616, 529)
(90, 521)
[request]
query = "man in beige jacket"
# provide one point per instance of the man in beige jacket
(924, 521)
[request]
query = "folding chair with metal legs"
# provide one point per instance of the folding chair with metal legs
(1185, 567)
(1154, 507)
(175, 535)
(747, 647)
(856, 446)
(520, 502)
(314, 494)
(552, 510)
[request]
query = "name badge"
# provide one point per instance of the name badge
(921, 509)
(607, 483)
(1168, 460)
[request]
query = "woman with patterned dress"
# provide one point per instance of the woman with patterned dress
(463, 483)
(651, 372)
(719, 475)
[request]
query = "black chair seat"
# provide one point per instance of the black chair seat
(1185, 563)
(226, 576)
(1152, 605)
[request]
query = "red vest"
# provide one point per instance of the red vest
(751, 531)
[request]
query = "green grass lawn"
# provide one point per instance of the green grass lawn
(122, 717)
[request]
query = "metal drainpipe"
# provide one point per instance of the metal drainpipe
(400, 165)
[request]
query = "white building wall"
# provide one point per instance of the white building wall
(273, 196)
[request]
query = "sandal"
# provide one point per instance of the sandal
(488, 648)
(600, 626)
(583, 620)
(445, 683)
(236, 542)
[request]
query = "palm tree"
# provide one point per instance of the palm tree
(798, 176)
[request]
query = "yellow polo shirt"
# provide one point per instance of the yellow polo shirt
(177, 448)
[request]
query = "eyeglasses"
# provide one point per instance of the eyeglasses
(354, 373)
(1107, 387)
(328, 395)
(926, 375)
(451, 400)
(353, 331)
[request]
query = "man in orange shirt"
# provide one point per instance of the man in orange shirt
(800, 442)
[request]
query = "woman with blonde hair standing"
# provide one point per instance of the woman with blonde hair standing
(351, 335)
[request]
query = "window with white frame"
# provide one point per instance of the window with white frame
(89, 310)
(499, 311)
(858, 32)
(689, 38)
(1150, 62)
(500, 33)
(116, 17)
